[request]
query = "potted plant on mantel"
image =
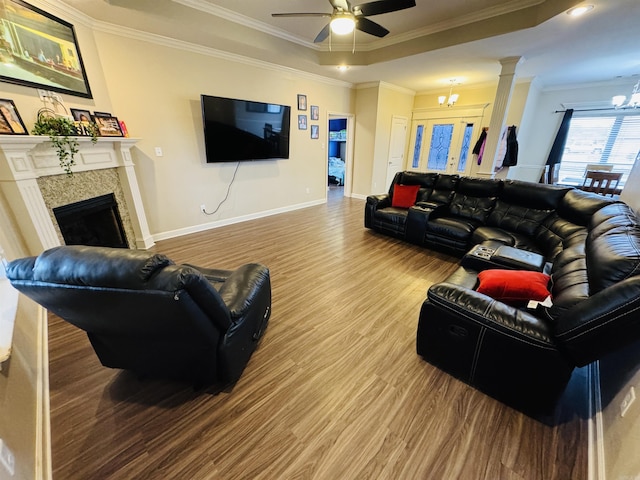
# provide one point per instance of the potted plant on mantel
(61, 131)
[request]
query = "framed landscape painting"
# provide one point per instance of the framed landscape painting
(39, 50)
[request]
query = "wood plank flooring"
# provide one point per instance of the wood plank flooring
(334, 391)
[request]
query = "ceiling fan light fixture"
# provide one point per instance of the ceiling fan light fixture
(342, 23)
(580, 10)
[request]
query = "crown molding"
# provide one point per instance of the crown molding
(240, 19)
(459, 21)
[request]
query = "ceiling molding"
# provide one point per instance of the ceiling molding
(243, 20)
(442, 26)
(211, 52)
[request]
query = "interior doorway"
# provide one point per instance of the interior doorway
(339, 154)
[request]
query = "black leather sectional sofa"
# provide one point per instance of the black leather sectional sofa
(520, 353)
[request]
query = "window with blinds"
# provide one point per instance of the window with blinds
(608, 138)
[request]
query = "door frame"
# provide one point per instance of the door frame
(467, 114)
(348, 161)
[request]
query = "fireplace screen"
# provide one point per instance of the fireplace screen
(94, 222)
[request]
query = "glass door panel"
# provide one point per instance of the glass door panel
(441, 137)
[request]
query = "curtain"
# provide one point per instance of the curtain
(555, 155)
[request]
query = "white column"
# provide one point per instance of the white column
(132, 194)
(499, 115)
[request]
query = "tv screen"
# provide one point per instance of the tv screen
(243, 130)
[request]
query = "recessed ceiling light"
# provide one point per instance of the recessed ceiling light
(580, 10)
(343, 68)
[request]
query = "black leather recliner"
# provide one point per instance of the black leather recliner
(143, 313)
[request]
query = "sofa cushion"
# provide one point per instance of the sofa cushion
(98, 266)
(404, 196)
(578, 206)
(517, 218)
(506, 237)
(459, 229)
(443, 189)
(612, 246)
(532, 195)
(475, 208)
(513, 286)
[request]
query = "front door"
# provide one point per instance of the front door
(442, 145)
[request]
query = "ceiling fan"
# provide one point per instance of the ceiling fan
(345, 17)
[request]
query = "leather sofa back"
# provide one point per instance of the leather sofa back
(612, 246)
(444, 189)
(578, 206)
(474, 198)
(99, 281)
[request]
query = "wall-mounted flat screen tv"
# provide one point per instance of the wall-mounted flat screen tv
(244, 130)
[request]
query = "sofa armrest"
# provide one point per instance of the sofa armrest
(602, 323)
(243, 286)
(416, 226)
(382, 200)
(489, 312)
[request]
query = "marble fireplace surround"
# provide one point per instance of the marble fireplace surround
(33, 184)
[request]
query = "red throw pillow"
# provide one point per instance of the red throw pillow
(514, 286)
(404, 196)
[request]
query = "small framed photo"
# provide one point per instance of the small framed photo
(302, 122)
(315, 112)
(315, 131)
(302, 102)
(81, 115)
(11, 117)
(101, 114)
(108, 126)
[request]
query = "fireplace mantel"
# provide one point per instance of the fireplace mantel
(25, 158)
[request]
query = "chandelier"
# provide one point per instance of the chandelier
(453, 97)
(634, 101)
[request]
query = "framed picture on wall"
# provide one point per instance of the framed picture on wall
(302, 102)
(302, 122)
(315, 112)
(315, 131)
(11, 117)
(40, 50)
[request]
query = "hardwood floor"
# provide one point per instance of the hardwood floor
(334, 391)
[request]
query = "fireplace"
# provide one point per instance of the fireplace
(95, 222)
(32, 183)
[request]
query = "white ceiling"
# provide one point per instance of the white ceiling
(428, 44)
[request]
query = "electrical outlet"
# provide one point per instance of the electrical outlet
(308, 190)
(203, 209)
(158, 151)
(628, 399)
(42, 94)
(7, 459)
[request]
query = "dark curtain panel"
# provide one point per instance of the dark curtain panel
(558, 146)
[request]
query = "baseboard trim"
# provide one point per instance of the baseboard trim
(595, 426)
(230, 221)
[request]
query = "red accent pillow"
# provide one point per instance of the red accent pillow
(514, 286)
(404, 196)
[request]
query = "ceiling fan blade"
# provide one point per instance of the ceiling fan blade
(372, 28)
(324, 33)
(300, 14)
(384, 6)
(344, 5)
